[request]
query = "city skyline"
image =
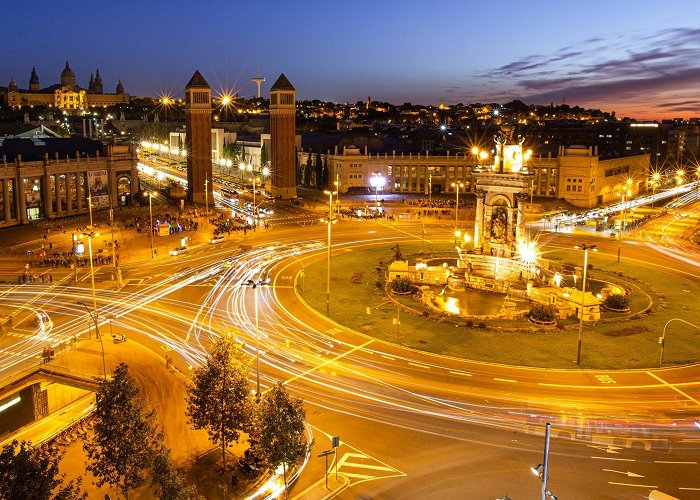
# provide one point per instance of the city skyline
(636, 60)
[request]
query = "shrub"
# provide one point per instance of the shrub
(617, 301)
(470, 324)
(541, 312)
(481, 325)
(401, 285)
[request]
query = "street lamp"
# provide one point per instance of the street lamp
(206, 196)
(457, 185)
(585, 249)
(377, 181)
(662, 339)
(627, 193)
(150, 195)
(329, 221)
(654, 182)
(97, 332)
(542, 470)
(255, 285)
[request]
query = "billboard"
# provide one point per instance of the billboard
(98, 188)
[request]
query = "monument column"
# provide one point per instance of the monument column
(198, 140)
(59, 197)
(283, 139)
(80, 193)
(479, 222)
(21, 195)
(69, 193)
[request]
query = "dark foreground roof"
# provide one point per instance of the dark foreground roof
(282, 84)
(34, 149)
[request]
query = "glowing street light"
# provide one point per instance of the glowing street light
(254, 285)
(150, 195)
(585, 249)
(377, 181)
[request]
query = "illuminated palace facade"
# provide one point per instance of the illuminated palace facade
(52, 178)
(66, 96)
(576, 174)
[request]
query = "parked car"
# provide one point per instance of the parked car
(178, 251)
(216, 239)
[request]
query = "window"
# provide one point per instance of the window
(286, 99)
(568, 188)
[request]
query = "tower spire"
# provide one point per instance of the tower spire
(258, 80)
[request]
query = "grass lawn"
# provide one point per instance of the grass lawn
(618, 341)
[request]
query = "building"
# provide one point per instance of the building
(577, 174)
(44, 177)
(66, 95)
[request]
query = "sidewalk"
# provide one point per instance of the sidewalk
(319, 491)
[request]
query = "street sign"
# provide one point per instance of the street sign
(336, 441)
(326, 453)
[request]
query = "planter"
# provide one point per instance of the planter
(401, 294)
(625, 310)
(541, 323)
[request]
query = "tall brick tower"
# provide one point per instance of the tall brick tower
(198, 139)
(282, 139)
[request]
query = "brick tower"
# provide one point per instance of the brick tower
(282, 139)
(198, 139)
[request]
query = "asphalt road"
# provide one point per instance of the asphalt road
(412, 425)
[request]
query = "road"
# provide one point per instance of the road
(412, 424)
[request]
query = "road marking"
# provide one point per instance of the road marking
(332, 360)
(608, 448)
(460, 373)
(605, 379)
(388, 357)
(368, 466)
(672, 462)
(616, 459)
(628, 473)
(671, 386)
(688, 489)
(506, 380)
(653, 487)
(358, 476)
(419, 365)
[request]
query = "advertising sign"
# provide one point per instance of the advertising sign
(98, 186)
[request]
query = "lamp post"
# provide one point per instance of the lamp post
(662, 339)
(117, 271)
(90, 209)
(542, 470)
(330, 221)
(377, 181)
(97, 332)
(430, 188)
(254, 285)
(585, 249)
(457, 185)
(150, 195)
(654, 182)
(206, 196)
(627, 193)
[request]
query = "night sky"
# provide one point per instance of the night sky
(639, 58)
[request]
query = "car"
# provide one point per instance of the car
(178, 251)
(216, 239)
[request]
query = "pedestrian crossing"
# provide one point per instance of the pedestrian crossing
(359, 467)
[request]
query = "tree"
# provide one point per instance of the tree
(308, 170)
(29, 472)
(218, 398)
(169, 483)
(319, 172)
(126, 435)
(280, 429)
(263, 155)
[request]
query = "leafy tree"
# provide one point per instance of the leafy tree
(263, 155)
(232, 151)
(29, 472)
(218, 398)
(280, 429)
(169, 483)
(617, 301)
(541, 312)
(299, 170)
(319, 172)
(308, 170)
(126, 435)
(401, 285)
(326, 172)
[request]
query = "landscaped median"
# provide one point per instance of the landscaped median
(360, 300)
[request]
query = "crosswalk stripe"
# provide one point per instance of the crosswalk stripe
(358, 476)
(367, 466)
